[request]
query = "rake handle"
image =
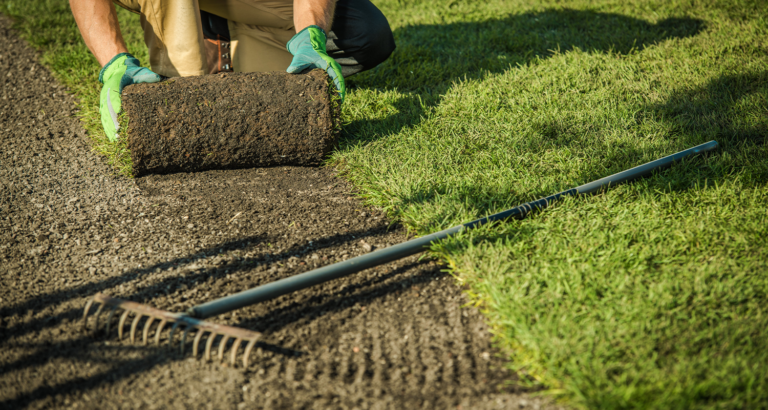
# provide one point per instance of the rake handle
(414, 246)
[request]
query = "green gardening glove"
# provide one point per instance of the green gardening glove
(122, 70)
(308, 49)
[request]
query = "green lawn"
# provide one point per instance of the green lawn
(651, 295)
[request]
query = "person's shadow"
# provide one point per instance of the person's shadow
(430, 58)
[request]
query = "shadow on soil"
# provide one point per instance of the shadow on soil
(321, 304)
(169, 284)
(126, 368)
(430, 58)
(277, 316)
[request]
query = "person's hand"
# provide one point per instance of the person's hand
(123, 70)
(308, 49)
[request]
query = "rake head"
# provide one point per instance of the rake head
(143, 317)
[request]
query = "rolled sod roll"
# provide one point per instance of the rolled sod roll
(231, 120)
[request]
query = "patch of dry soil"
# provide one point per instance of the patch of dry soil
(392, 337)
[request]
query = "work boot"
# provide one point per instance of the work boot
(217, 50)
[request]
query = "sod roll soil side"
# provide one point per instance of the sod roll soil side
(230, 120)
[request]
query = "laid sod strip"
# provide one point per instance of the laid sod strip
(651, 295)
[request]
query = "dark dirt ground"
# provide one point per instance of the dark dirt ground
(393, 337)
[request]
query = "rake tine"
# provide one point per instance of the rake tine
(213, 331)
(222, 346)
(196, 342)
(85, 314)
(159, 329)
(235, 348)
(121, 324)
(133, 327)
(98, 313)
(109, 319)
(170, 335)
(247, 353)
(145, 333)
(184, 338)
(208, 344)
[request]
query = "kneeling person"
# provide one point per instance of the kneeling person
(342, 37)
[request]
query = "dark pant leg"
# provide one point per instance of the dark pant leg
(214, 26)
(360, 36)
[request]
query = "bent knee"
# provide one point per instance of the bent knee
(378, 46)
(362, 32)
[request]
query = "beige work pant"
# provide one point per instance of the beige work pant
(259, 31)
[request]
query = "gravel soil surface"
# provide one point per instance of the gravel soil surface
(393, 337)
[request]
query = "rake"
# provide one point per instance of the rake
(219, 336)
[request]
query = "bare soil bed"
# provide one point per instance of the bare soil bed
(392, 337)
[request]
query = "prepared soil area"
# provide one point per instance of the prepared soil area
(394, 337)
